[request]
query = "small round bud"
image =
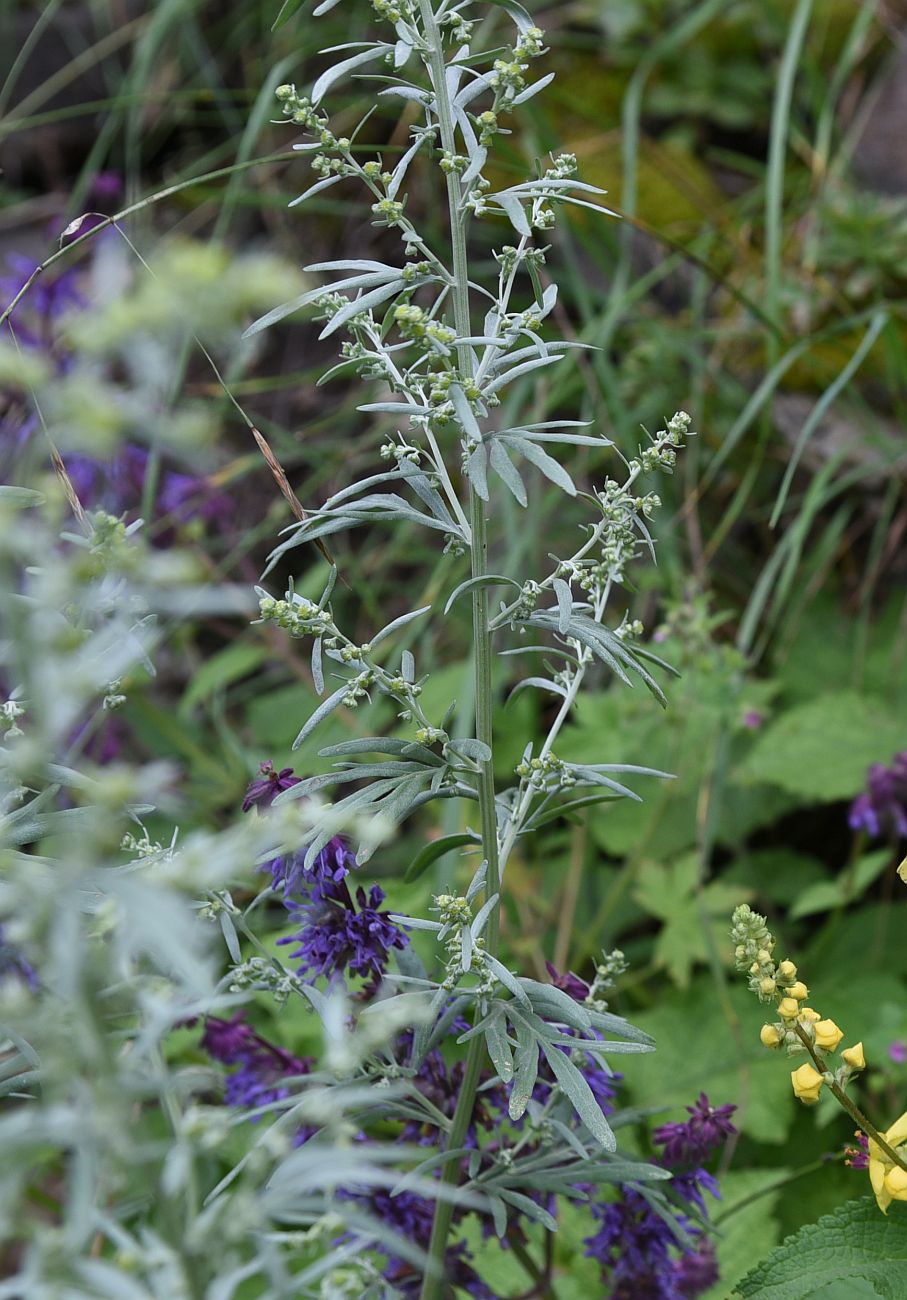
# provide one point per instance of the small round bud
(798, 991)
(767, 986)
(787, 970)
(769, 1036)
(788, 1008)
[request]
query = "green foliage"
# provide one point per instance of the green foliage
(855, 1251)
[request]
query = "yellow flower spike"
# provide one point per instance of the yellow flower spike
(769, 1036)
(807, 1084)
(853, 1056)
(807, 1016)
(788, 1008)
(798, 991)
(828, 1035)
(787, 970)
(881, 1167)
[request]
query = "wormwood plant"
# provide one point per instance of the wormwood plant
(445, 346)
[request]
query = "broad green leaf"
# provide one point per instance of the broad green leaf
(221, 670)
(821, 750)
(856, 1244)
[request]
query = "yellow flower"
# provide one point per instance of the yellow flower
(889, 1182)
(798, 991)
(787, 970)
(828, 1035)
(807, 1084)
(769, 1036)
(807, 1016)
(854, 1057)
(788, 1008)
(767, 986)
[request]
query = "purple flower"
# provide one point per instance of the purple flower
(858, 1157)
(263, 1067)
(13, 963)
(568, 983)
(691, 1142)
(411, 1217)
(753, 719)
(334, 936)
(882, 808)
(335, 861)
(262, 792)
(897, 1051)
(642, 1257)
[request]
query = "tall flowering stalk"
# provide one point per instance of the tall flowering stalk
(444, 348)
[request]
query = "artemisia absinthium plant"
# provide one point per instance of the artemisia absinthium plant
(523, 1118)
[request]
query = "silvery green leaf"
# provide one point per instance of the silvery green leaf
(498, 1046)
(472, 90)
(588, 775)
(325, 7)
(540, 683)
(402, 50)
(395, 408)
(484, 580)
(525, 1072)
(317, 672)
(498, 1208)
(506, 471)
(465, 949)
(551, 468)
(327, 706)
(564, 604)
(552, 1003)
(345, 494)
(524, 368)
(231, 939)
(464, 412)
(593, 207)
(527, 1206)
(478, 923)
(516, 11)
(470, 140)
(410, 92)
(545, 815)
(420, 483)
(609, 1023)
(508, 979)
(403, 166)
(382, 745)
(580, 1095)
(20, 498)
(363, 303)
(514, 211)
(355, 772)
(416, 922)
(477, 471)
(471, 748)
(477, 883)
(532, 90)
(353, 264)
(396, 623)
(476, 163)
(332, 74)
(408, 666)
(323, 184)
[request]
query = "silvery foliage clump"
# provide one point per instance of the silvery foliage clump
(112, 1182)
(440, 352)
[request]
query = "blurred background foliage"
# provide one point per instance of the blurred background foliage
(754, 149)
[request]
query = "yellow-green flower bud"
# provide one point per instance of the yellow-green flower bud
(788, 1008)
(769, 1036)
(767, 986)
(799, 991)
(787, 970)
(807, 1084)
(853, 1056)
(808, 1016)
(828, 1035)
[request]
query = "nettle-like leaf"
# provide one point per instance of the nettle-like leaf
(856, 1249)
(693, 915)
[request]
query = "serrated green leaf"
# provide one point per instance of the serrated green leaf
(856, 1243)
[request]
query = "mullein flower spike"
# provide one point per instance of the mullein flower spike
(802, 1029)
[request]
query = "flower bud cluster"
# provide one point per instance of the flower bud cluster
(300, 111)
(455, 912)
(800, 1028)
(258, 973)
(607, 973)
(414, 323)
(400, 451)
(547, 772)
(394, 11)
(301, 618)
(10, 711)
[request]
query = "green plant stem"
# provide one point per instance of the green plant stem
(853, 1111)
(433, 1283)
